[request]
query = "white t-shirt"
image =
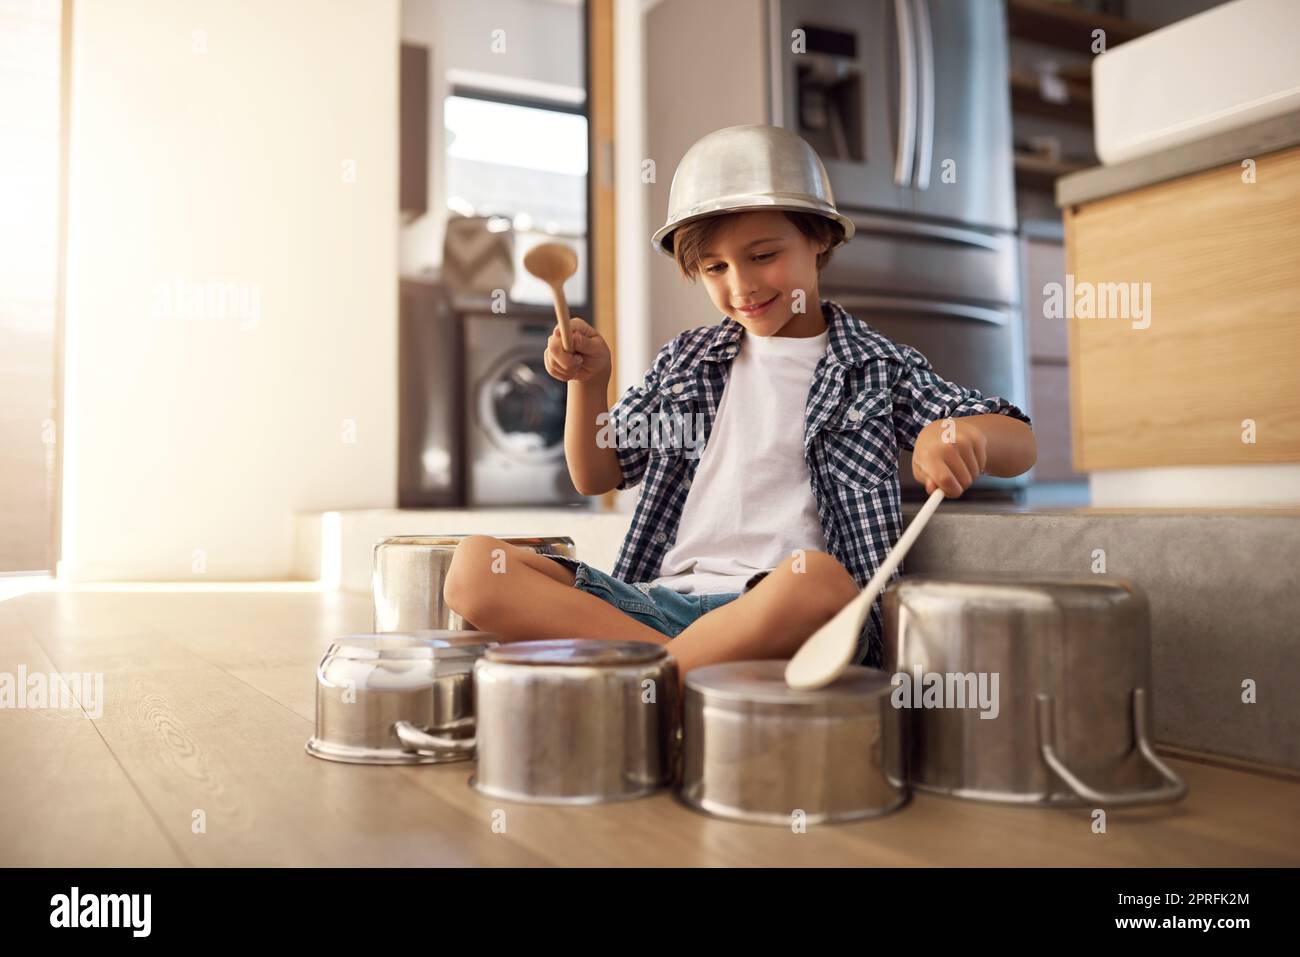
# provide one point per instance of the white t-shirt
(751, 503)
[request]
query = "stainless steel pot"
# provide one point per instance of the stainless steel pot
(742, 168)
(577, 721)
(410, 570)
(757, 750)
(398, 698)
(1072, 695)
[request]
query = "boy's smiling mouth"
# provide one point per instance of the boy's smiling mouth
(750, 312)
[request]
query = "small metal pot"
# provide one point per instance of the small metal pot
(410, 571)
(578, 721)
(398, 698)
(1072, 662)
(756, 750)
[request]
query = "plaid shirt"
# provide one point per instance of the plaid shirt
(869, 396)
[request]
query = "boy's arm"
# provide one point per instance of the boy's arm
(987, 433)
(1011, 447)
(594, 470)
(597, 463)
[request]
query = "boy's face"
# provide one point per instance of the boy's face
(760, 258)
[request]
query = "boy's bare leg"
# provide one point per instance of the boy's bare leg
(524, 596)
(772, 619)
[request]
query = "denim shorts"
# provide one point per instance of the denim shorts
(666, 611)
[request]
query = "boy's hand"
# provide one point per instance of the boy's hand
(950, 454)
(589, 359)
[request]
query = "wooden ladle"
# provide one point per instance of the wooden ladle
(825, 655)
(553, 263)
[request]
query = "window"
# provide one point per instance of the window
(526, 161)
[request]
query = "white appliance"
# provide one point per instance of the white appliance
(1219, 70)
(514, 411)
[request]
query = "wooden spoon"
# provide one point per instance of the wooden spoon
(553, 263)
(825, 655)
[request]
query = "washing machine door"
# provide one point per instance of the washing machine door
(518, 448)
(521, 408)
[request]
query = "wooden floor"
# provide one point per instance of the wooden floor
(209, 700)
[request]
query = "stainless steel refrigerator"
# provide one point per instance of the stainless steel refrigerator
(907, 102)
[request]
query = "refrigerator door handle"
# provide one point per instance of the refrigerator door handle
(905, 149)
(911, 228)
(926, 81)
(935, 307)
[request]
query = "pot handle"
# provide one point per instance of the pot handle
(1172, 789)
(415, 738)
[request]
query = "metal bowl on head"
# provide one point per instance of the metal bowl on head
(410, 571)
(398, 698)
(757, 750)
(749, 169)
(575, 721)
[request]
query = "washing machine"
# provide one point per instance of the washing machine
(514, 411)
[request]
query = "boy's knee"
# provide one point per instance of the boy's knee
(818, 583)
(469, 576)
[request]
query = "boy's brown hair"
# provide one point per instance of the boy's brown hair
(691, 240)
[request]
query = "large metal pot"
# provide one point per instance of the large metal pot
(398, 698)
(577, 721)
(756, 750)
(1065, 665)
(410, 570)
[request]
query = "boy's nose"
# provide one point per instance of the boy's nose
(742, 288)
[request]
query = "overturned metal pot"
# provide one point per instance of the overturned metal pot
(410, 571)
(575, 721)
(398, 698)
(1032, 692)
(756, 750)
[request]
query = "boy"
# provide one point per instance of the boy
(755, 529)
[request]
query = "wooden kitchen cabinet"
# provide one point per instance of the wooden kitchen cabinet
(1220, 342)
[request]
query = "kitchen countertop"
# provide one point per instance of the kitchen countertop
(208, 700)
(1232, 146)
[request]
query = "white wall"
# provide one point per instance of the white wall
(632, 222)
(211, 143)
(29, 257)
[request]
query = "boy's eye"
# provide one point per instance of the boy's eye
(715, 268)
